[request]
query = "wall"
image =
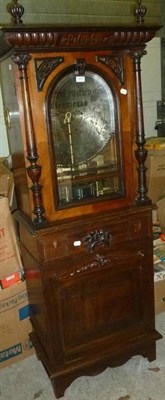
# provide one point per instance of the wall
(4, 149)
(162, 10)
(151, 84)
(83, 11)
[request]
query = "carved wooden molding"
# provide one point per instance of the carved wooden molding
(96, 264)
(37, 39)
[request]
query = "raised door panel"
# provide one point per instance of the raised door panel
(99, 301)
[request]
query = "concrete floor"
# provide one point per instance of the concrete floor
(136, 380)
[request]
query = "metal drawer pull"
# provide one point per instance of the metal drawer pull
(97, 238)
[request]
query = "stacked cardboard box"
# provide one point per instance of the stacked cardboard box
(159, 273)
(159, 289)
(155, 164)
(14, 310)
(14, 325)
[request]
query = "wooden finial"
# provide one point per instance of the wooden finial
(16, 10)
(140, 12)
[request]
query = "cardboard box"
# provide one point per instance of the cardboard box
(159, 289)
(155, 174)
(155, 143)
(10, 260)
(6, 183)
(161, 213)
(15, 325)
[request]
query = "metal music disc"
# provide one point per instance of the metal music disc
(82, 116)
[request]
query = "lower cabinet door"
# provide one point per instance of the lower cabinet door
(101, 303)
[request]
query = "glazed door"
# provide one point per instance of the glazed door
(84, 130)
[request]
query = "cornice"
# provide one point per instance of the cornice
(25, 38)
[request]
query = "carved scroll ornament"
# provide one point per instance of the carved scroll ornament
(44, 67)
(115, 63)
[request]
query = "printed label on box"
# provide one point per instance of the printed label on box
(11, 352)
(13, 301)
(24, 312)
(10, 260)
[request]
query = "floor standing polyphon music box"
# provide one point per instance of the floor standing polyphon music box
(73, 105)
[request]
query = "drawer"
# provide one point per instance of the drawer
(54, 245)
(77, 241)
(107, 234)
(87, 238)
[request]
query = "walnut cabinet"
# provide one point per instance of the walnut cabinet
(73, 102)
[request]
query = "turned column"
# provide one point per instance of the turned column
(140, 152)
(34, 170)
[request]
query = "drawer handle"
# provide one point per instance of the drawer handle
(97, 238)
